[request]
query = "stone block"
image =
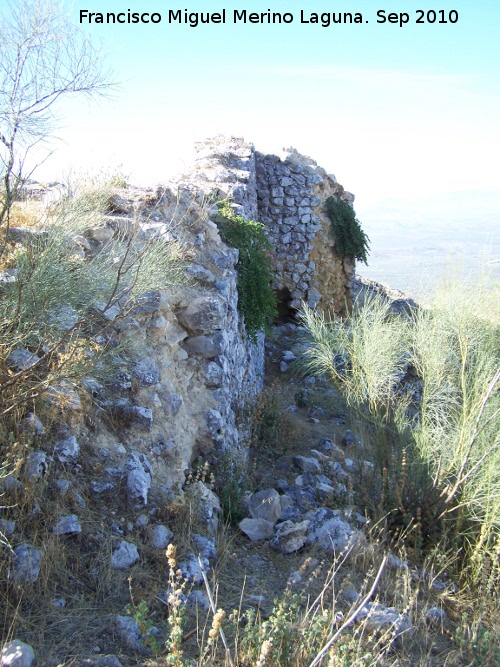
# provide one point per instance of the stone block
(160, 537)
(124, 556)
(205, 346)
(307, 464)
(67, 525)
(266, 505)
(21, 359)
(257, 529)
(290, 537)
(27, 560)
(17, 654)
(203, 315)
(146, 372)
(67, 449)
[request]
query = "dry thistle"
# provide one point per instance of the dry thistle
(171, 556)
(216, 624)
(400, 486)
(385, 485)
(176, 609)
(265, 649)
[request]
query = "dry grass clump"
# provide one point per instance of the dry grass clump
(50, 307)
(29, 213)
(310, 620)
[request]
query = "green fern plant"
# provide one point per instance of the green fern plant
(350, 239)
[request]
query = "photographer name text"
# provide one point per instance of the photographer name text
(243, 16)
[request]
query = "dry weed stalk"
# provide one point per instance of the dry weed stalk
(352, 616)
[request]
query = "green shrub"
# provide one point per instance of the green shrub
(350, 239)
(256, 298)
(232, 481)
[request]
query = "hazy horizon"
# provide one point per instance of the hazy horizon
(406, 117)
(416, 243)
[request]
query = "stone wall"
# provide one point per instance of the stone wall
(287, 195)
(187, 366)
(291, 193)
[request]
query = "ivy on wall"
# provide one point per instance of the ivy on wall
(256, 298)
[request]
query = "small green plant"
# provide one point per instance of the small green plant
(479, 643)
(256, 298)
(140, 613)
(287, 637)
(350, 239)
(272, 430)
(234, 481)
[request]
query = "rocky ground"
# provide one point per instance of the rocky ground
(298, 519)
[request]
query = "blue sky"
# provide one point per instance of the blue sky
(403, 116)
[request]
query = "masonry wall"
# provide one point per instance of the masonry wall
(188, 366)
(287, 195)
(194, 366)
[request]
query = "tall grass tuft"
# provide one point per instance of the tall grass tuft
(453, 428)
(456, 351)
(365, 356)
(61, 300)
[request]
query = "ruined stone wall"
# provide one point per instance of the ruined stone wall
(187, 366)
(291, 194)
(335, 274)
(287, 195)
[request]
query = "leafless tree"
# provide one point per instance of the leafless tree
(43, 58)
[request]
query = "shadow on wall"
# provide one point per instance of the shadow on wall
(285, 312)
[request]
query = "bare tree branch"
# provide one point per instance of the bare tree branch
(43, 58)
